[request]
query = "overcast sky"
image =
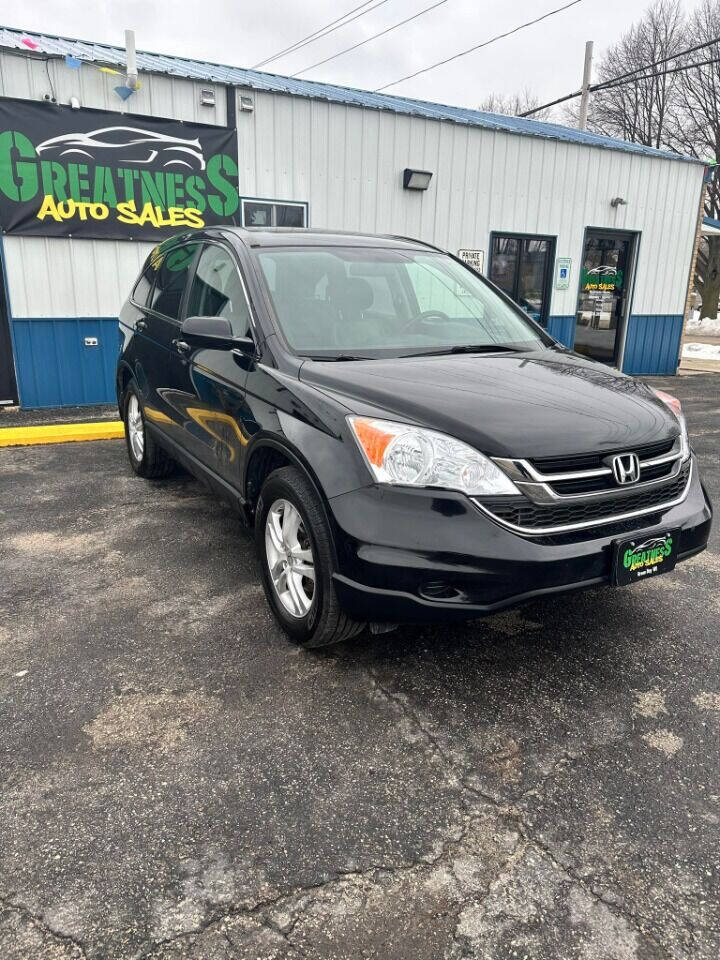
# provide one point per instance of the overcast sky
(547, 58)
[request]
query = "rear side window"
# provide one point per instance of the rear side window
(217, 290)
(171, 271)
(144, 285)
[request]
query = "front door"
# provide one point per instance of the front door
(522, 267)
(215, 379)
(8, 387)
(605, 281)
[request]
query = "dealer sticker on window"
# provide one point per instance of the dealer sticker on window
(641, 558)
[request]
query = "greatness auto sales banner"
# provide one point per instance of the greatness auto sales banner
(92, 173)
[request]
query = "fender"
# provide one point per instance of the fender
(266, 441)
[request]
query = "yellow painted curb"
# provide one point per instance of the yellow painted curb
(61, 433)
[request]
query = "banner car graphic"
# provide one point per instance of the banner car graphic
(92, 173)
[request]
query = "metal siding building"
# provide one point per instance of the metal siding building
(496, 181)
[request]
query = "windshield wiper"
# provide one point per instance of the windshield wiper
(470, 348)
(339, 358)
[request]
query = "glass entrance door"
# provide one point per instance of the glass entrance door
(605, 280)
(522, 267)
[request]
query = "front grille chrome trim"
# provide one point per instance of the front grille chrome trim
(586, 524)
(544, 495)
(537, 486)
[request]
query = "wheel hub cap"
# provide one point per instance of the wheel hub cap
(289, 558)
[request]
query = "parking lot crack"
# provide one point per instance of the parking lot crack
(36, 920)
(571, 874)
(434, 744)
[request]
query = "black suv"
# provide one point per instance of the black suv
(406, 441)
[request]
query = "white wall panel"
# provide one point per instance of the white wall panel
(347, 163)
(159, 96)
(49, 277)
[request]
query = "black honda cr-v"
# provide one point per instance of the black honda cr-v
(408, 444)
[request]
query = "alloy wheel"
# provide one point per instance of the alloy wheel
(136, 428)
(289, 558)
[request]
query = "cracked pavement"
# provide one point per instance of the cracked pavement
(178, 781)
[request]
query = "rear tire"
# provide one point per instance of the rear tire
(294, 545)
(147, 458)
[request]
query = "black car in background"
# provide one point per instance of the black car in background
(408, 444)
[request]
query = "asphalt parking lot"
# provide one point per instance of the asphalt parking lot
(179, 781)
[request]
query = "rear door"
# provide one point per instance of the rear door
(215, 379)
(164, 369)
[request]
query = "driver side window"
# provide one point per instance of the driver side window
(217, 290)
(438, 291)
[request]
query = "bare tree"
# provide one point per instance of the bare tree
(513, 104)
(638, 111)
(695, 129)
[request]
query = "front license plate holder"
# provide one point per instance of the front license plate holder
(644, 556)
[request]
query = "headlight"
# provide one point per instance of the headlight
(401, 454)
(675, 406)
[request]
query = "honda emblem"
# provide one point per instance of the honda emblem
(625, 468)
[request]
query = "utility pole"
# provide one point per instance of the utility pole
(587, 71)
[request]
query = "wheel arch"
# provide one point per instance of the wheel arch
(123, 377)
(270, 453)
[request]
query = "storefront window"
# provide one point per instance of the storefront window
(522, 267)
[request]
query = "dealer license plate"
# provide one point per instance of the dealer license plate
(645, 557)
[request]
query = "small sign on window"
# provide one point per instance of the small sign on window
(473, 258)
(562, 273)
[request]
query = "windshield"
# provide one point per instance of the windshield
(375, 302)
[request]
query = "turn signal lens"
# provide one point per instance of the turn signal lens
(398, 453)
(669, 400)
(674, 404)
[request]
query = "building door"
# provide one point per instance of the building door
(605, 283)
(8, 386)
(522, 267)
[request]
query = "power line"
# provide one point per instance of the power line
(315, 35)
(662, 73)
(614, 80)
(363, 42)
(479, 46)
(323, 31)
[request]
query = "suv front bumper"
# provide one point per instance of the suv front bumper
(409, 555)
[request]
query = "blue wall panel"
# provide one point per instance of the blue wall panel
(652, 343)
(54, 366)
(563, 329)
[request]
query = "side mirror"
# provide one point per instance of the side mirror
(214, 333)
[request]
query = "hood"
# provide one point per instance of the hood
(539, 404)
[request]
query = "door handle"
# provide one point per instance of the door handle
(182, 347)
(141, 325)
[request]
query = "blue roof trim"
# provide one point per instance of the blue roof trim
(11, 38)
(709, 222)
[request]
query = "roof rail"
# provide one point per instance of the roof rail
(423, 243)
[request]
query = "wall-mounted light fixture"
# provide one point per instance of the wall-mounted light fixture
(207, 98)
(416, 179)
(618, 202)
(246, 104)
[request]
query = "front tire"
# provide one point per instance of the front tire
(147, 458)
(294, 544)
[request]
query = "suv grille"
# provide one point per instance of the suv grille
(523, 513)
(578, 485)
(591, 461)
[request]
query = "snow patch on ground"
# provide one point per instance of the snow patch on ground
(701, 351)
(703, 328)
